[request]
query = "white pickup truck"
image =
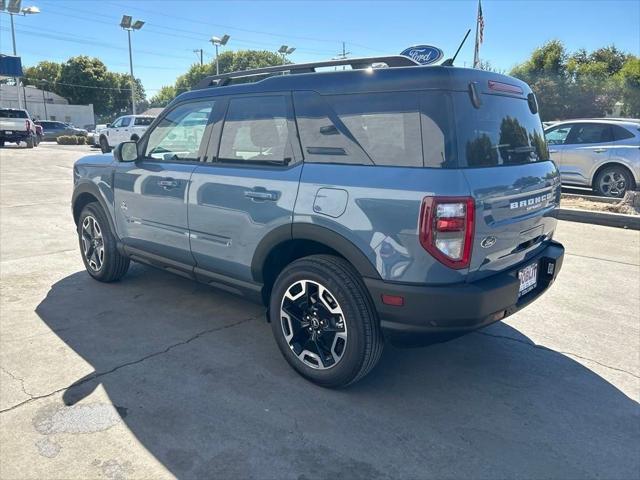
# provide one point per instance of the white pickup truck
(123, 129)
(16, 126)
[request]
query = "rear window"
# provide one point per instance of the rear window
(503, 131)
(13, 114)
(143, 121)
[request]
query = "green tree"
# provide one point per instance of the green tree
(229, 62)
(629, 81)
(163, 97)
(44, 73)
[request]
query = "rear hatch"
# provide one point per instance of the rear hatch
(505, 160)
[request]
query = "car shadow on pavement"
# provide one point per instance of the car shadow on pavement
(198, 379)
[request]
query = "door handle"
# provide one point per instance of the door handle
(599, 150)
(168, 183)
(261, 194)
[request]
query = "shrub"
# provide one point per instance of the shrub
(67, 140)
(81, 140)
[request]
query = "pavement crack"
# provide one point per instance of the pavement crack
(19, 380)
(602, 259)
(96, 375)
(542, 347)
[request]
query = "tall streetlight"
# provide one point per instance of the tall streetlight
(127, 25)
(219, 41)
(285, 50)
(14, 7)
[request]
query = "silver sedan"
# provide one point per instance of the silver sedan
(603, 154)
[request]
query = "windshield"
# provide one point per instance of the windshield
(503, 131)
(13, 114)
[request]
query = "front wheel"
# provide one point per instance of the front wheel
(324, 322)
(613, 181)
(104, 145)
(98, 246)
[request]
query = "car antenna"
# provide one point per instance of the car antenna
(449, 62)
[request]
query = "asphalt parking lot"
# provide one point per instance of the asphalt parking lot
(159, 377)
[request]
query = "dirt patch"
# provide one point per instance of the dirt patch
(629, 205)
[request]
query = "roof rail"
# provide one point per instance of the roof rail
(293, 68)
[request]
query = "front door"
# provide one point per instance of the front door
(151, 194)
(248, 190)
(586, 146)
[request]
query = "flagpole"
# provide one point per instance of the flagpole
(476, 51)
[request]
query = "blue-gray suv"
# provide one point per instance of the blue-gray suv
(384, 201)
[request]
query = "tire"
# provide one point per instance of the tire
(30, 142)
(351, 347)
(104, 145)
(135, 138)
(613, 181)
(1, 143)
(102, 259)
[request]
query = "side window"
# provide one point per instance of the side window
(143, 121)
(582, 133)
(386, 125)
(179, 134)
(256, 129)
(620, 133)
(557, 135)
(117, 123)
(324, 137)
(125, 121)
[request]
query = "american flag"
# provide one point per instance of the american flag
(480, 23)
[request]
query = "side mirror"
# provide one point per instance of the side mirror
(108, 125)
(126, 152)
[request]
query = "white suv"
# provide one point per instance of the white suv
(603, 154)
(128, 127)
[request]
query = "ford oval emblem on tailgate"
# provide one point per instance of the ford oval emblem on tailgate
(488, 242)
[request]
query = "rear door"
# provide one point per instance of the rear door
(587, 146)
(248, 187)
(151, 194)
(512, 181)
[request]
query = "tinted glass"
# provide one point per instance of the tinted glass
(589, 133)
(144, 121)
(116, 123)
(256, 129)
(558, 135)
(324, 137)
(125, 121)
(386, 125)
(178, 135)
(503, 131)
(620, 133)
(13, 114)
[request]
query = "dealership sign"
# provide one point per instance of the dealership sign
(423, 54)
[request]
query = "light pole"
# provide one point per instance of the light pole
(15, 8)
(285, 50)
(126, 24)
(219, 41)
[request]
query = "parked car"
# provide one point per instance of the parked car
(600, 153)
(128, 127)
(52, 130)
(358, 205)
(16, 126)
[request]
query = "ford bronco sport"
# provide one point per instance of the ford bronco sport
(357, 205)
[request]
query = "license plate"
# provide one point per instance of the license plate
(528, 279)
(8, 132)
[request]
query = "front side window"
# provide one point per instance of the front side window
(589, 133)
(558, 135)
(179, 134)
(125, 121)
(256, 129)
(117, 123)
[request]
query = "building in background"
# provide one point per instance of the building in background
(45, 105)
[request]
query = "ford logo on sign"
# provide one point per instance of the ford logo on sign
(423, 54)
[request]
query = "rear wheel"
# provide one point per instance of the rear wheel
(30, 142)
(104, 145)
(613, 181)
(1, 143)
(324, 322)
(98, 246)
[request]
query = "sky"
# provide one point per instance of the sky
(163, 49)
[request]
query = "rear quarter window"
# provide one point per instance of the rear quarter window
(621, 133)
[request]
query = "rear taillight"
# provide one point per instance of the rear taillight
(27, 126)
(446, 229)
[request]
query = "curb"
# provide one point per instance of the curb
(600, 218)
(593, 198)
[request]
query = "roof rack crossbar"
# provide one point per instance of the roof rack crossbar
(294, 68)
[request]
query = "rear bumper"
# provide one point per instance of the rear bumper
(16, 136)
(452, 310)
